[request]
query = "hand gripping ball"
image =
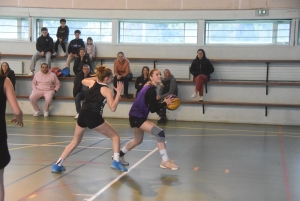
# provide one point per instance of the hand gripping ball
(175, 104)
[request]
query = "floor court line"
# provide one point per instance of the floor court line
(120, 176)
(188, 128)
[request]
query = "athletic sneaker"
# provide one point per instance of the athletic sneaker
(169, 165)
(122, 160)
(46, 114)
(37, 113)
(76, 116)
(31, 73)
(118, 166)
(201, 98)
(54, 54)
(194, 95)
(57, 169)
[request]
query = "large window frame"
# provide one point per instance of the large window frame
(102, 28)
(141, 34)
(275, 32)
(16, 29)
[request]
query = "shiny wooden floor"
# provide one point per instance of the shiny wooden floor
(218, 162)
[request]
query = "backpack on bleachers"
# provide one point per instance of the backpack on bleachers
(56, 71)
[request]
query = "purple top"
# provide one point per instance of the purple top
(139, 107)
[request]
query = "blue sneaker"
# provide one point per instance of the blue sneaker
(118, 166)
(57, 169)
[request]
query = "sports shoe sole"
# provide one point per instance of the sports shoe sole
(168, 168)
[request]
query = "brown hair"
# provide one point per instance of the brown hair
(102, 72)
(151, 74)
(2, 72)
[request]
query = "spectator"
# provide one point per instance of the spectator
(44, 46)
(74, 47)
(44, 83)
(201, 69)
(80, 89)
(7, 72)
(169, 87)
(142, 80)
(62, 37)
(122, 72)
(90, 48)
(81, 60)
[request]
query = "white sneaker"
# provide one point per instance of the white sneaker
(37, 113)
(76, 116)
(194, 95)
(201, 98)
(65, 54)
(31, 73)
(46, 114)
(54, 54)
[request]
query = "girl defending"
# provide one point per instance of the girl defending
(91, 116)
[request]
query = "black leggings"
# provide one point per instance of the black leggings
(62, 43)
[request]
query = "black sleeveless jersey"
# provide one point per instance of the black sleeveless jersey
(94, 101)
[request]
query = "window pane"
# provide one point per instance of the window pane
(255, 32)
(14, 29)
(98, 30)
(158, 32)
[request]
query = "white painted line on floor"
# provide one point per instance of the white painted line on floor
(120, 176)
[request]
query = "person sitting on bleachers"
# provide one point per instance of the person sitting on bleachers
(7, 72)
(62, 37)
(74, 47)
(168, 87)
(142, 80)
(201, 69)
(81, 60)
(44, 47)
(79, 89)
(44, 84)
(122, 72)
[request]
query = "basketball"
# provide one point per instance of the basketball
(175, 104)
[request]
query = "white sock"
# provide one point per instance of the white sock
(60, 162)
(117, 157)
(164, 155)
(124, 150)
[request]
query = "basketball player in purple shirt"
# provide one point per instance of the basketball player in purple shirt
(146, 101)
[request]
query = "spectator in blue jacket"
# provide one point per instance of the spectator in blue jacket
(74, 47)
(44, 47)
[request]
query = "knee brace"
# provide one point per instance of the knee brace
(158, 133)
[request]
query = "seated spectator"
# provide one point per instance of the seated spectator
(62, 37)
(7, 72)
(90, 48)
(44, 84)
(74, 47)
(80, 61)
(142, 80)
(122, 72)
(201, 69)
(168, 87)
(44, 47)
(79, 89)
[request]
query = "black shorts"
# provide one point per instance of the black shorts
(89, 119)
(136, 121)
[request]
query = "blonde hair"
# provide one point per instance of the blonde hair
(102, 72)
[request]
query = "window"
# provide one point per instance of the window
(100, 31)
(14, 28)
(248, 32)
(299, 33)
(158, 32)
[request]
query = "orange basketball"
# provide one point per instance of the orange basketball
(175, 104)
